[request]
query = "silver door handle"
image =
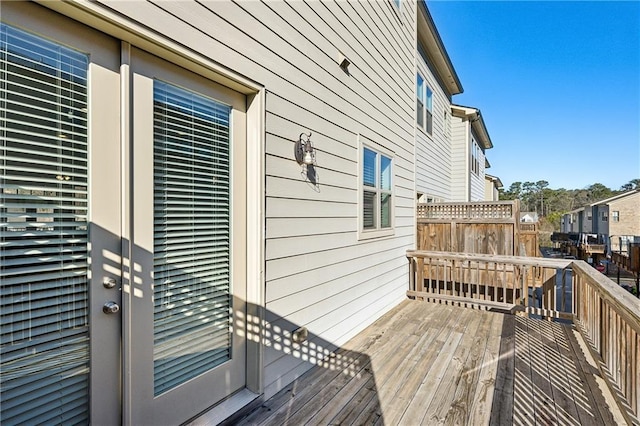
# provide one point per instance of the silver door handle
(110, 308)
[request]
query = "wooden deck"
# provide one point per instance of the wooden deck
(426, 363)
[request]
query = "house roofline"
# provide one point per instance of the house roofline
(615, 197)
(428, 36)
(494, 179)
(477, 122)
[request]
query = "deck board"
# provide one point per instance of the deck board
(427, 363)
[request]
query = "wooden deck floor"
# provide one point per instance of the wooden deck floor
(426, 363)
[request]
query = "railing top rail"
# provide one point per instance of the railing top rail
(516, 260)
(621, 300)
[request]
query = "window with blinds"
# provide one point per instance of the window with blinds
(192, 298)
(377, 192)
(44, 348)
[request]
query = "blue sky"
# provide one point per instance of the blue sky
(558, 84)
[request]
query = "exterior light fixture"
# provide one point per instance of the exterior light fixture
(304, 152)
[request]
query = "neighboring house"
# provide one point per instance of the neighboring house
(572, 221)
(469, 141)
(163, 251)
(528, 217)
(618, 219)
(613, 221)
(436, 83)
(492, 186)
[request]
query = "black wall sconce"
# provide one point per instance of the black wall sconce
(304, 152)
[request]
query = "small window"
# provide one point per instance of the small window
(376, 193)
(475, 157)
(588, 216)
(605, 216)
(424, 105)
(615, 216)
(420, 101)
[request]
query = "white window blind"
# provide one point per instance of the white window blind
(44, 352)
(192, 327)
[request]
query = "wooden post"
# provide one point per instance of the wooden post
(420, 275)
(412, 274)
(637, 265)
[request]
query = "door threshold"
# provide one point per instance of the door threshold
(226, 411)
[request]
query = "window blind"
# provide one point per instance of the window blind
(44, 340)
(192, 302)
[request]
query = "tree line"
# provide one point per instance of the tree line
(551, 204)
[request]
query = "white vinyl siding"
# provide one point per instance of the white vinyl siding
(459, 163)
(433, 151)
(191, 235)
(43, 231)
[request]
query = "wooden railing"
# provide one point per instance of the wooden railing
(609, 318)
(622, 260)
(606, 315)
(593, 248)
(507, 282)
(629, 260)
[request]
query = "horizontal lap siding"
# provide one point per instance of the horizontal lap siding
(318, 274)
(459, 164)
(477, 182)
(433, 152)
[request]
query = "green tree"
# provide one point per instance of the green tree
(631, 185)
(598, 192)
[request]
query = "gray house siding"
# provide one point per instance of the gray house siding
(317, 273)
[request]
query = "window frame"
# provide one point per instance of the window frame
(615, 216)
(424, 105)
(378, 231)
(474, 157)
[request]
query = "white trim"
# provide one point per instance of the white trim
(102, 18)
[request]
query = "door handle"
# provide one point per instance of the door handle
(110, 308)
